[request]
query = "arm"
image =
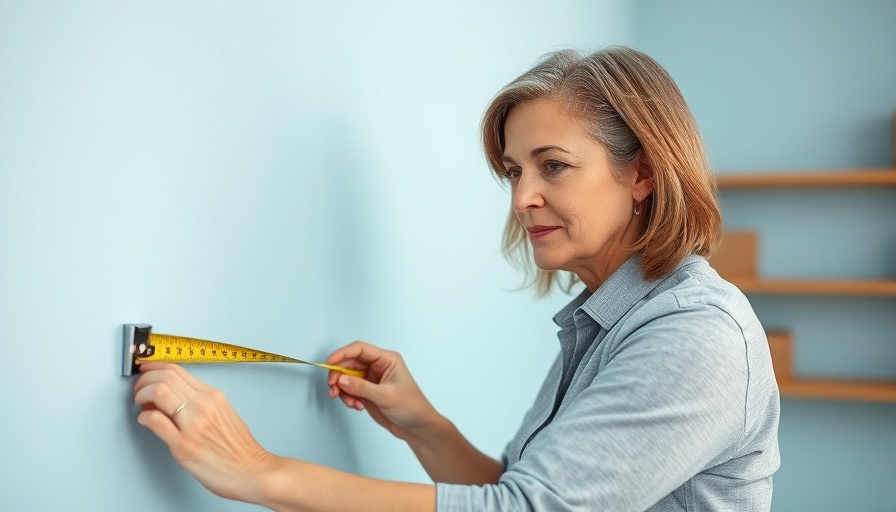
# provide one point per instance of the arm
(391, 396)
(208, 438)
(295, 485)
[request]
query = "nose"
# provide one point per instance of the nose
(527, 194)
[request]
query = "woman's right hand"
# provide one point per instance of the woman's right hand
(393, 399)
(388, 391)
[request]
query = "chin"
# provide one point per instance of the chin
(545, 262)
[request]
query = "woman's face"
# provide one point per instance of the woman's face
(579, 218)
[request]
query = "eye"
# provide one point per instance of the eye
(511, 173)
(553, 166)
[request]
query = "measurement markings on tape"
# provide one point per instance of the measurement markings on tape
(140, 344)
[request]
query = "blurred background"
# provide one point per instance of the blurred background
(292, 176)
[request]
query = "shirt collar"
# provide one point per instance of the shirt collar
(616, 296)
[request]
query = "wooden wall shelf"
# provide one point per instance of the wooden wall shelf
(836, 178)
(815, 287)
(839, 390)
(791, 385)
(736, 260)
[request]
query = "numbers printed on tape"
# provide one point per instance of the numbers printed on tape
(180, 349)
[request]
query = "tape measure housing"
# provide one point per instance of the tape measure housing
(134, 336)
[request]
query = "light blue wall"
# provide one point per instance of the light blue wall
(296, 175)
(792, 85)
(290, 176)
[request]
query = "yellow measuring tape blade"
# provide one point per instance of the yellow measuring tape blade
(180, 349)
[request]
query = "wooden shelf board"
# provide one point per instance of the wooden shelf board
(836, 178)
(839, 390)
(816, 287)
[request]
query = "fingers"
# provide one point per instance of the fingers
(168, 389)
(361, 352)
(160, 425)
(375, 361)
(360, 388)
(347, 356)
(349, 351)
(161, 397)
(193, 382)
(378, 363)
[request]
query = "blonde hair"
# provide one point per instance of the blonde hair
(629, 104)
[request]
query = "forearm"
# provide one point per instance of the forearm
(291, 485)
(449, 457)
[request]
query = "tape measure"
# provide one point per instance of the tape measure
(140, 344)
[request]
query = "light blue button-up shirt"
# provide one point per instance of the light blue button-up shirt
(662, 398)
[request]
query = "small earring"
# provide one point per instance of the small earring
(637, 208)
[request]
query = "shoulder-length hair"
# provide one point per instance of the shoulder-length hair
(629, 104)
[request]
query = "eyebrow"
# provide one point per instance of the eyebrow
(535, 152)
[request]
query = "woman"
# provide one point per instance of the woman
(662, 396)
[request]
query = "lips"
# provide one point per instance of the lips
(540, 231)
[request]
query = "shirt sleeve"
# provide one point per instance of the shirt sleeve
(668, 404)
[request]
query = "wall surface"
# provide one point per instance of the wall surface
(296, 175)
(285, 175)
(787, 86)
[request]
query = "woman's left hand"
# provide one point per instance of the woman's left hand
(203, 432)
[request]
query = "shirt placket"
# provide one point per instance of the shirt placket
(575, 340)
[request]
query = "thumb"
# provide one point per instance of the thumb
(359, 387)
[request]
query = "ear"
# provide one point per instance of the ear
(642, 184)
